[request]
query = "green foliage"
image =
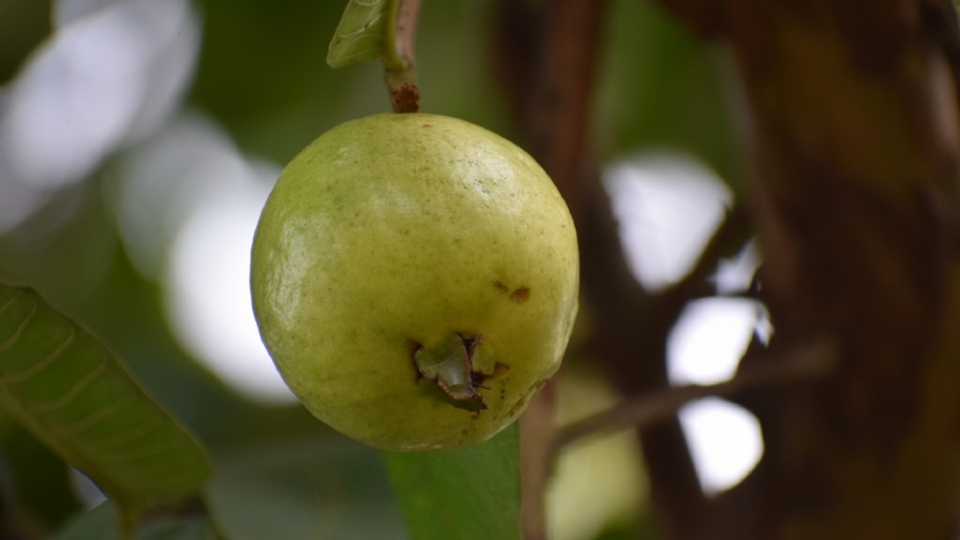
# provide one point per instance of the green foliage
(47, 489)
(262, 73)
(663, 89)
(72, 394)
(469, 494)
(101, 524)
(321, 487)
(366, 31)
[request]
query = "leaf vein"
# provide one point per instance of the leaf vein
(170, 475)
(127, 436)
(98, 416)
(12, 340)
(10, 302)
(359, 31)
(152, 451)
(72, 394)
(29, 373)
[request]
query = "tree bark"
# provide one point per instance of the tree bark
(853, 118)
(546, 55)
(852, 114)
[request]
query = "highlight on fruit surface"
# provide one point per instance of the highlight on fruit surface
(415, 279)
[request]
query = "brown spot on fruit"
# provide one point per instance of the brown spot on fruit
(520, 295)
(480, 377)
(519, 404)
(501, 287)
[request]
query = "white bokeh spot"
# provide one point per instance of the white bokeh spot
(208, 289)
(667, 206)
(110, 74)
(724, 441)
(187, 202)
(708, 340)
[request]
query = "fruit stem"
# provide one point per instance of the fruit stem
(402, 83)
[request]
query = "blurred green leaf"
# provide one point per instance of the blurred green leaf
(328, 487)
(263, 74)
(67, 390)
(23, 25)
(97, 524)
(469, 494)
(366, 31)
(196, 527)
(40, 480)
(664, 88)
(101, 524)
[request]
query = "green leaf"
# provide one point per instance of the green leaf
(43, 485)
(101, 524)
(366, 31)
(65, 388)
(469, 494)
(322, 487)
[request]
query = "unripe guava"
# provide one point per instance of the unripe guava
(415, 280)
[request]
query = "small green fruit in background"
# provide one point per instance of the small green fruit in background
(415, 279)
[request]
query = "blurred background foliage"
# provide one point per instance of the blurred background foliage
(224, 94)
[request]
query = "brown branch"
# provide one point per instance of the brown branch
(810, 363)
(537, 430)
(631, 341)
(546, 59)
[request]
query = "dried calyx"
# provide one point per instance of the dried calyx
(449, 363)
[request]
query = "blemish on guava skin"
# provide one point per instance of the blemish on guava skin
(522, 402)
(428, 125)
(480, 377)
(413, 347)
(498, 369)
(520, 295)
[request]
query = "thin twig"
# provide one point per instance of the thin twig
(811, 362)
(537, 430)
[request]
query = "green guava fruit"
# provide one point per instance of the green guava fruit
(415, 280)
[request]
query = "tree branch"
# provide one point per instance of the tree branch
(810, 363)
(546, 59)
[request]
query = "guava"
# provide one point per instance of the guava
(415, 280)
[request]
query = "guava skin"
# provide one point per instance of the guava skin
(387, 236)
